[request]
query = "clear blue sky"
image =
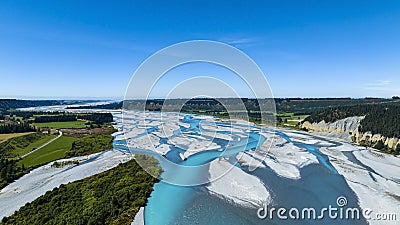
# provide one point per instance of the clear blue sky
(71, 49)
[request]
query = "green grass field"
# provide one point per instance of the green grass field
(53, 151)
(291, 116)
(21, 151)
(289, 119)
(62, 125)
(5, 137)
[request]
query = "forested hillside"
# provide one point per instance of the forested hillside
(9, 170)
(379, 118)
(6, 104)
(111, 197)
(283, 105)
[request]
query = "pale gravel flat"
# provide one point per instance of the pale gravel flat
(384, 164)
(232, 183)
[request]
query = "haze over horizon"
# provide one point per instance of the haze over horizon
(72, 49)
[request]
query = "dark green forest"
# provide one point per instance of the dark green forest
(97, 118)
(30, 114)
(295, 105)
(111, 197)
(9, 171)
(379, 118)
(90, 144)
(55, 118)
(16, 128)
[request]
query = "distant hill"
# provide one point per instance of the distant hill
(6, 104)
(114, 105)
(295, 105)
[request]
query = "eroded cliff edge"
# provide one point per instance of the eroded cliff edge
(348, 129)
